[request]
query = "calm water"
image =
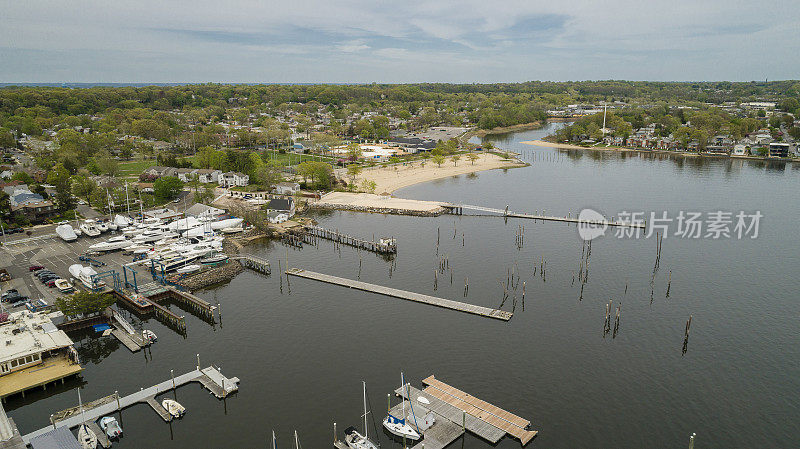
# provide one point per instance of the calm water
(302, 351)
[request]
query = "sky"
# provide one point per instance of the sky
(353, 41)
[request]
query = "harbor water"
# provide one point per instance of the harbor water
(301, 348)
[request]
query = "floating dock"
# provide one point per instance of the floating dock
(403, 294)
(211, 378)
(385, 246)
(452, 406)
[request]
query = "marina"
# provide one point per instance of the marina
(403, 294)
(210, 377)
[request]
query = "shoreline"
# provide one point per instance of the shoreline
(390, 179)
(475, 132)
(567, 146)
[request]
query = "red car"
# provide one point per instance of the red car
(35, 268)
(51, 282)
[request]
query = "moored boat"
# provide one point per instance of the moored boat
(111, 427)
(173, 407)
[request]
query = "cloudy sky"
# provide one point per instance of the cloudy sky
(400, 41)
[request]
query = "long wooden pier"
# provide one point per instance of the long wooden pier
(458, 209)
(403, 294)
(221, 387)
(385, 246)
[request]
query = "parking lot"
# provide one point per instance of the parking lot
(55, 255)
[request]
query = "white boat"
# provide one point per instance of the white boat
(232, 230)
(112, 226)
(88, 227)
(151, 235)
(227, 223)
(149, 335)
(64, 286)
(84, 274)
(77, 231)
(355, 440)
(214, 259)
(66, 233)
(398, 426)
(118, 242)
(173, 407)
(183, 224)
(122, 221)
(102, 227)
(86, 436)
(111, 427)
(188, 269)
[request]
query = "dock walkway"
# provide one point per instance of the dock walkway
(207, 376)
(252, 262)
(386, 246)
(403, 294)
(457, 209)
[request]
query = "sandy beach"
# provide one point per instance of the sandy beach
(389, 179)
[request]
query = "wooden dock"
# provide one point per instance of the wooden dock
(441, 434)
(385, 247)
(403, 294)
(475, 415)
(254, 263)
(222, 386)
(459, 210)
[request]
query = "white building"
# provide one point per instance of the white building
(234, 179)
(28, 341)
(286, 188)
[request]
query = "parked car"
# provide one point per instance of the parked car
(18, 301)
(48, 278)
(16, 297)
(35, 268)
(42, 274)
(9, 292)
(52, 282)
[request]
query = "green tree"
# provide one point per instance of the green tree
(320, 173)
(472, 157)
(83, 187)
(167, 187)
(22, 177)
(60, 179)
(353, 151)
(107, 164)
(438, 159)
(353, 170)
(455, 159)
(205, 196)
(84, 303)
(7, 138)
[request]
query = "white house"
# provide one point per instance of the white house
(208, 175)
(286, 188)
(185, 174)
(276, 217)
(233, 179)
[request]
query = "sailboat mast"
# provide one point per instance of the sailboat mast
(402, 398)
(296, 441)
(274, 443)
(365, 409)
(127, 200)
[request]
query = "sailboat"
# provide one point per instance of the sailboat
(86, 436)
(355, 440)
(398, 426)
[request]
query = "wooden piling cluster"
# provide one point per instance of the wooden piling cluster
(519, 238)
(686, 333)
(385, 246)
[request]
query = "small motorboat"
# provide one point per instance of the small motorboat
(64, 286)
(189, 269)
(149, 335)
(86, 437)
(214, 259)
(111, 427)
(173, 407)
(102, 227)
(90, 229)
(77, 231)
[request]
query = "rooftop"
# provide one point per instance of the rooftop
(28, 333)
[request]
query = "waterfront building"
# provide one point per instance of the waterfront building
(33, 353)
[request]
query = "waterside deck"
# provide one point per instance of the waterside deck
(403, 294)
